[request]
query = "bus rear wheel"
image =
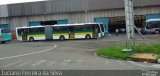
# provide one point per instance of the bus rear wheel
(61, 38)
(157, 32)
(88, 37)
(31, 39)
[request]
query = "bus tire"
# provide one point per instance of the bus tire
(156, 31)
(88, 36)
(31, 39)
(61, 38)
(3, 42)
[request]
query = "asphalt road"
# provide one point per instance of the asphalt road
(67, 55)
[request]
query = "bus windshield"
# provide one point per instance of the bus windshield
(5, 31)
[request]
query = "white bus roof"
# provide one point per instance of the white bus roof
(156, 19)
(62, 25)
(74, 24)
(30, 26)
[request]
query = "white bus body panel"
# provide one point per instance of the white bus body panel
(39, 38)
(0, 35)
(35, 38)
(81, 36)
(103, 33)
(99, 35)
(19, 39)
(57, 37)
(152, 30)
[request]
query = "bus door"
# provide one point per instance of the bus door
(102, 27)
(71, 33)
(48, 32)
(95, 31)
(24, 34)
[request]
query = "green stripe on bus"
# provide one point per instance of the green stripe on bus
(33, 34)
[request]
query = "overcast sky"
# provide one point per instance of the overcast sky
(2, 2)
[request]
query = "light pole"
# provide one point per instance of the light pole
(86, 16)
(129, 17)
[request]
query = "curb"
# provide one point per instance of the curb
(110, 57)
(157, 60)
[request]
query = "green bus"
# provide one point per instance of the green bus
(5, 35)
(61, 32)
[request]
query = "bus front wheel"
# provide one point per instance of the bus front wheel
(61, 38)
(31, 39)
(88, 37)
(157, 32)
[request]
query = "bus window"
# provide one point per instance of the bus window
(149, 25)
(72, 28)
(5, 31)
(39, 30)
(20, 32)
(83, 28)
(89, 27)
(60, 29)
(155, 24)
(78, 28)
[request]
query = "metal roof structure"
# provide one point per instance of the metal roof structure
(67, 6)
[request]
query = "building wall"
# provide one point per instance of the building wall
(63, 6)
(3, 11)
(75, 17)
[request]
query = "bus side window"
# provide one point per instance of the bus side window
(52, 29)
(56, 29)
(66, 29)
(19, 32)
(30, 30)
(89, 27)
(77, 28)
(41, 30)
(71, 29)
(5, 31)
(150, 27)
(34, 30)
